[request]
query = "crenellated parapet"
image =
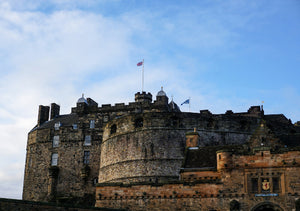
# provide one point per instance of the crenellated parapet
(150, 141)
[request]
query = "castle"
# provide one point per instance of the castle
(148, 155)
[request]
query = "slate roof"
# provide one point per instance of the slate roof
(65, 120)
(204, 157)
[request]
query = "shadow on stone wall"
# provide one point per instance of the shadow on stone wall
(22, 205)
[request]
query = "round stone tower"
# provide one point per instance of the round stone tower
(141, 148)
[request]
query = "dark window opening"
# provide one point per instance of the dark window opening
(276, 187)
(138, 123)
(113, 129)
(234, 205)
(95, 181)
(297, 205)
(254, 185)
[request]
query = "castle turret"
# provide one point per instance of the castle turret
(54, 110)
(192, 139)
(143, 97)
(43, 114)
(81, 105)
(161, 97)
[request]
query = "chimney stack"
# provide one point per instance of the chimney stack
(54, 110)
(43, 114)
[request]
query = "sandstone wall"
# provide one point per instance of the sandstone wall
(22, 205)
(171, 197)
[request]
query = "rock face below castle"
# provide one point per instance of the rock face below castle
(143, 143)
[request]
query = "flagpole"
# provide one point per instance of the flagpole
(143, 77)
(189, 104)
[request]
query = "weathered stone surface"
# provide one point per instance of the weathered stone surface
(144, 144)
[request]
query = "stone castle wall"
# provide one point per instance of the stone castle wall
(143, 141)
(43, 182)
(213, 190)
(185, 196)
(155, 150)
(23, 205)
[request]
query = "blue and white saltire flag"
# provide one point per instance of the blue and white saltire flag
(186, 102)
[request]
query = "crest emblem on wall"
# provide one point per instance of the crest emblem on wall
(265, 185)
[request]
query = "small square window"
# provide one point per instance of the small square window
(55, 142)
(105, 119)
(92, 124)
(86, 157)
(75, 127)
(87, 140)
(54, 159)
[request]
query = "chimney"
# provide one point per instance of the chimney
(192, 139)
(54, 110)
(43, 114)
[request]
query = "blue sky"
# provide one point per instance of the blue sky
(225, 55)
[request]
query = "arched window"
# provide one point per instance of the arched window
(234, 205)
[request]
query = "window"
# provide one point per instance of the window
(87, 140)
(264, 184)
(86, 157)
(54, 159)
(105, 119)
(138, 123)
(75, 127)
(254, 185)
(55, 142)
(95, 181)
(92, 124)
(57, 125)
(113, 129)
(276, 187)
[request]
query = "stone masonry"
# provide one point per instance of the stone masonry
(145, 155)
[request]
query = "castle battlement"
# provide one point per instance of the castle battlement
(148, 143)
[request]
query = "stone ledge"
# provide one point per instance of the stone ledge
(13, 203)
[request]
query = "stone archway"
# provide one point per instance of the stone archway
(267, 206)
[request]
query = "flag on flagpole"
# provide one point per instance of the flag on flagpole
(140, 63)
(186, 102)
